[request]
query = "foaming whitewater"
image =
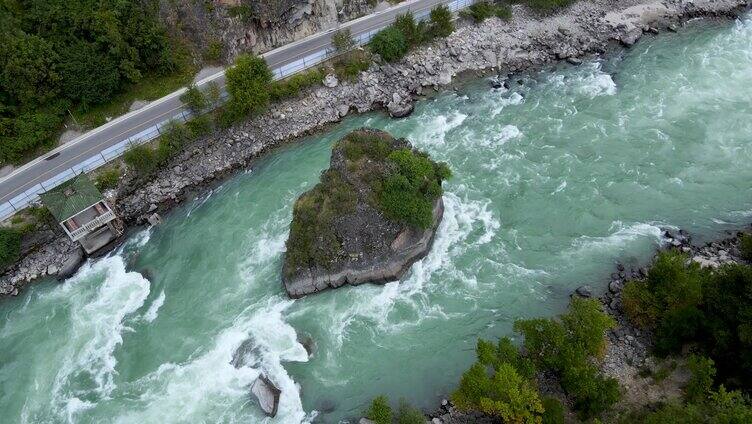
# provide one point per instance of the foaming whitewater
(555, 179)
(97, 325)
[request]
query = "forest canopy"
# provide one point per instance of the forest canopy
(61, 54)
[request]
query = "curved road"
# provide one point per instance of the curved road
(99, 139)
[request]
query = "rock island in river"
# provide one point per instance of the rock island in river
(372, 215)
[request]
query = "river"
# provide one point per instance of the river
(556, 179)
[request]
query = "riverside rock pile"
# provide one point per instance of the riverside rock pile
(528, 41)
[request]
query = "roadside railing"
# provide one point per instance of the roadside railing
(111, 153)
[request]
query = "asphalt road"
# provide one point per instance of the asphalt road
(99, 139)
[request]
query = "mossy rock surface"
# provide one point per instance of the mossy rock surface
(372, 215)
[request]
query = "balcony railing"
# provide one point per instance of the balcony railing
(92, 225)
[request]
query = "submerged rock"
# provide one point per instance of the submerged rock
(374, 213)
(267, 395)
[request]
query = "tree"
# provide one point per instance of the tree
(343, 40)
(248, 84)
(30, 71)
(195, 99)
(412, 32)
(390, 44)
(441, 22)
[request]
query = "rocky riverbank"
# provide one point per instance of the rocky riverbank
(528, 41)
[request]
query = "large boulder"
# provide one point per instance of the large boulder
(353, 228)
(267, 395)
(72, 262)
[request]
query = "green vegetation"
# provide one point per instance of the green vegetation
(483, 10)
(501, 383)
(441, 22)
(292, 86)
(214, 51)
(343, 40)
(60, 55)
(312, 239)
(248, 84)
(107, 178)
(390, 44)
(709, 310)
(546, 6)
(10, 246)
(394, 41)
(553, 411)
(745, 247)
(408, 194)
(703, 404)
(145, 159)
(380, 412)
(195, 99)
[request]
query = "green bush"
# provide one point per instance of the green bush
(745, 247)
(293, 85)
(546, 6)
(671, 284)
(248, 84)
(413, 32)
(142, 159)
(482, 10)
(343, 40)
(406, 414)
(107, 179)
(441, 22)
(553, 411)
(174, 137)
(214, 51)
(701, 383)
(720, 407)
(380, 412)
(199, 126)
(349, 66)
(390, 44)
(10, 246)
(479, 11)
(566, 347)
(195, 99)
(408, 195)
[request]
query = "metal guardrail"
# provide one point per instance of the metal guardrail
(31, 195)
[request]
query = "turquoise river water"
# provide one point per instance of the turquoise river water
(554, 181)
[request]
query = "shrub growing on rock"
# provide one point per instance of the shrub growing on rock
(441, 22)
(390, 43)
(107, 179)
(141, 159)
(553, 411)
(380, 412)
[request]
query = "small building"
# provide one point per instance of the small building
(83, 213)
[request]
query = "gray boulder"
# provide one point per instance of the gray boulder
(331, 81)
(267, 395)
(400, 110)
(72, 262)
(584, 291)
